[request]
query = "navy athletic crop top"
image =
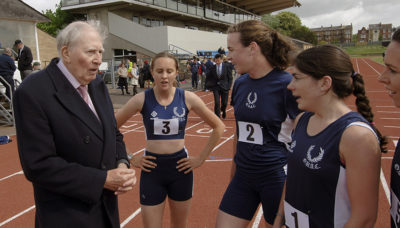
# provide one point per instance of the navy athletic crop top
(165, 122)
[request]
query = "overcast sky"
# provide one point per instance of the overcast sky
(317, 13)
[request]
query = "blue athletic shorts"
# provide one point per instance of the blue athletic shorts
(244, 194)
(165, 180)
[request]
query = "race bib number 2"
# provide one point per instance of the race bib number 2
(250, 133)
(295, 218)
(166, 127)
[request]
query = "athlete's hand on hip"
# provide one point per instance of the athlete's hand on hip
(145, 163)
(188, 164)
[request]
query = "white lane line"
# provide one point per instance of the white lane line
(17, 173)
(257, 220)
(16, 216)
(132, 216)
(220, 160)
(358, 68)
(389, 118)
(385, 106)
(203, 136)
(392, 112)
(385, 186)
(389, 158)
(219, 145)
(391, 126)
(127, 131)
(371, 67)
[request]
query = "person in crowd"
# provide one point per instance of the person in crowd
(123, 78)
(167, 170)
(147, 76)
(24, 59)
(209, 64)
(194, 68)
(221, 51)
(36, 67)
(135, 78)
(390, 77)
(69, 145)
(331, 181)
(202, 74)
(7, 69)
(220, 82)
(264, 111)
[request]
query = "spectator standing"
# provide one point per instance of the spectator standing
(24, 59)
(202, 74)
(7, 69)
(36, 67)
(123, 77)
(148, 78)
(219, 81)
(135, 78)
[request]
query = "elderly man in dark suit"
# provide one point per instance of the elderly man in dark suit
(219, 80)
(68, 141)
(24, 59)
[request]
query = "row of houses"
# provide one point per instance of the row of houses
(343, 33)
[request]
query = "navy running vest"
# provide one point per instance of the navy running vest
(164, 122)
(316, 193)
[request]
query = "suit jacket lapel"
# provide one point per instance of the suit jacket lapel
(72, 101)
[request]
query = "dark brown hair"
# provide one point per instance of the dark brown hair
(273, 45)
(332, 61)
(164, 54)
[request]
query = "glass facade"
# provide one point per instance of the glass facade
(214, 10)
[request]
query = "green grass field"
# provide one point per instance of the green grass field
(365, 50)
(378, 59)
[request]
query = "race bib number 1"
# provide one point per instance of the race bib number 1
(166, 127)
(295, 218)
(250, 133)
(395, 210)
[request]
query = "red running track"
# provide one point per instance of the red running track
(16, 195)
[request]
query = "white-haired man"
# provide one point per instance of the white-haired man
(68, 142)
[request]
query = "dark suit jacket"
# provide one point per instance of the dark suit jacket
(25, 59)
(65, 151)
(223, 82)
(7, 65)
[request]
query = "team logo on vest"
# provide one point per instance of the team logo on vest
(251, 100)
(312, 162)
(154, 114)
(397, 168)
(292, 146)
(177, 115)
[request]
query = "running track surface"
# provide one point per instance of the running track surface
(16, 194)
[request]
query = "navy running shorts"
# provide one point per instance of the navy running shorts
(244, 194)
(165, 180)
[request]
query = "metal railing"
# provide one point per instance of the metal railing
(6, 106)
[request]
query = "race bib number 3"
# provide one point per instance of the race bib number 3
(395, 210)
(250, 133)
(295, 218)
(166, 127)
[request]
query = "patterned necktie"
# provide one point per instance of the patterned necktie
(219, 70)
(84, 94)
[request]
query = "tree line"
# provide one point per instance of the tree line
(289, 24)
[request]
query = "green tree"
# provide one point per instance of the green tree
(288, 22)
(270, 20)
(58, 20)
(305, 34)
